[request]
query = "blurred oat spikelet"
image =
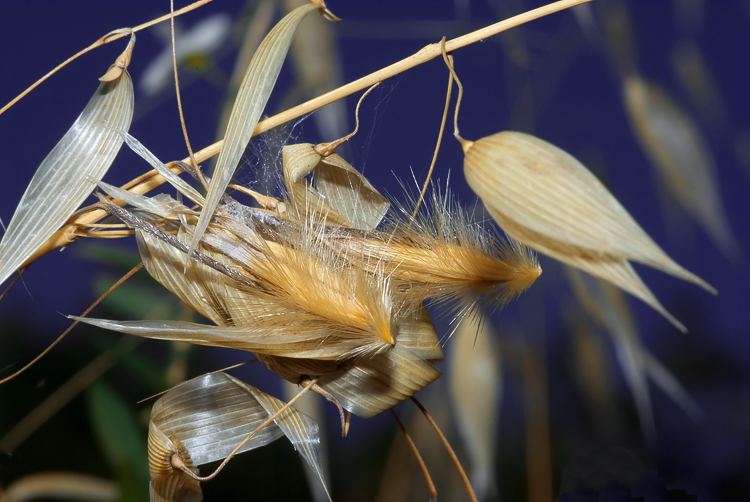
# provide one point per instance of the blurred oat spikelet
(678, 151)
(476, 391)
(608, 307)
(546, 199)
(668, 135)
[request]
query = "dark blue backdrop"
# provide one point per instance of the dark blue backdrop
(578, 108)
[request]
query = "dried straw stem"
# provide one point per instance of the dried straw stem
(428, 53)
(65, 235)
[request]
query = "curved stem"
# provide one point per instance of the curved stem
(449, 63)
(109, 37)
(440, 136)
(179, 101)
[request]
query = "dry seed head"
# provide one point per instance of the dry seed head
(232, 280)
(308, 275)
(257, 311)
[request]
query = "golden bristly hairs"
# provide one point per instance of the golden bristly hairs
(442, 255)
(301, 272)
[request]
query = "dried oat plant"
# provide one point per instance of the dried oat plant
(327, 279)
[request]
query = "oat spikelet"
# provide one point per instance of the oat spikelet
(442, 255)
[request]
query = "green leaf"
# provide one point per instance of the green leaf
(120, 439)
(133, 300)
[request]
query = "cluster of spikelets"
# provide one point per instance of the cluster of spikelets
(312, 299)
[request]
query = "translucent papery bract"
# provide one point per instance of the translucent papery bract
(301, 431)
(161, 205)
(342, 195)
(349, 192)
(69, 172)
(252, 96)
(549, 201)
(370, 385)
(168, 484)
(210, 416)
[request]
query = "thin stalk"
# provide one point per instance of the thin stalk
(179, 101)
(440, 136)
(326, 149)
(452, 454)
(344, 422)
(109, 37)
(428, 478)
(538, 458)
(449, 64)
(18, 276)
